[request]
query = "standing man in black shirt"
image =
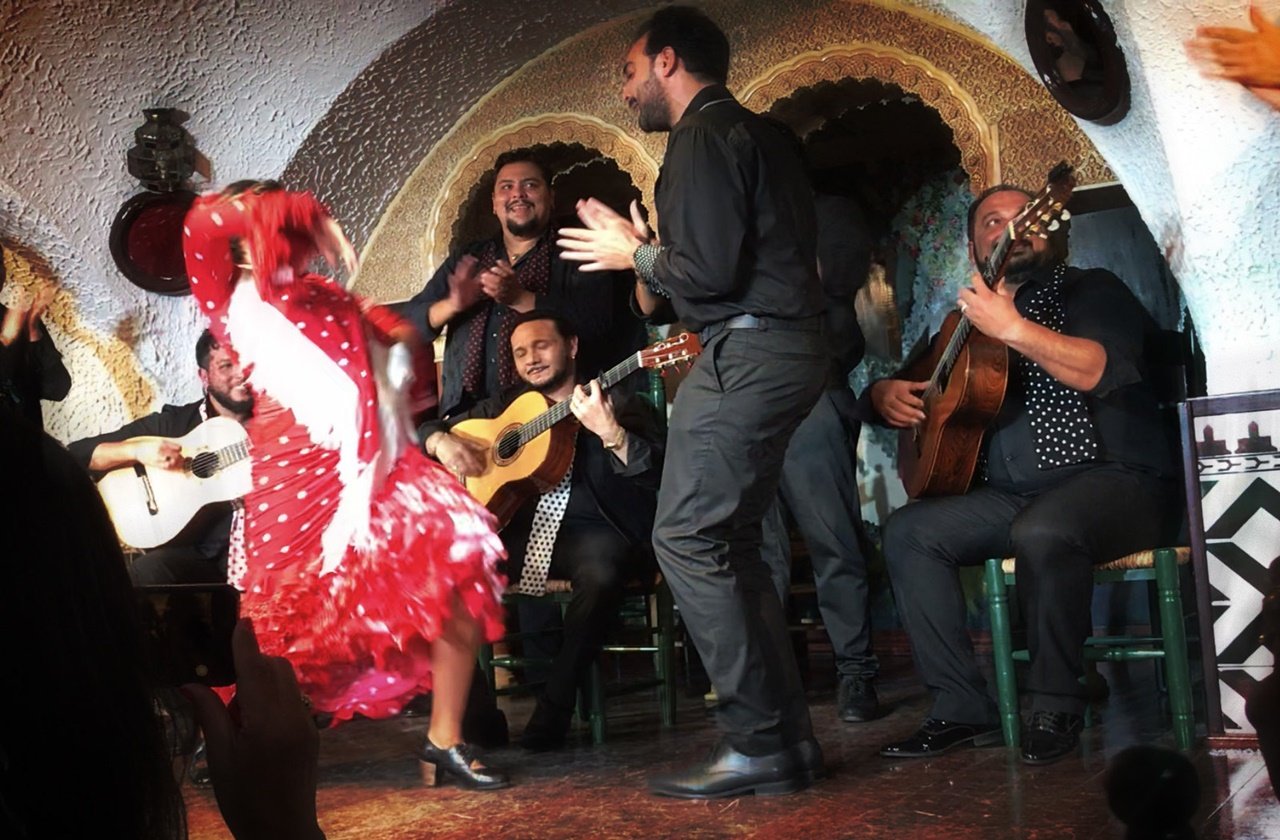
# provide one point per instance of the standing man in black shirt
(737, 263)
(1078, 471)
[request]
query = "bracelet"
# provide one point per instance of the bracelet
(645, 258)
(618, 440)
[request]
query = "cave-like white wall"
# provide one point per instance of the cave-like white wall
(1201, 160)
(74, 76)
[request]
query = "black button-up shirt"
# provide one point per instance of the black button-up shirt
(735, 217)
(1128, 422)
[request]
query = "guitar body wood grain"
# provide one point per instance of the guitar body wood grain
(939, 457)
(508, 482)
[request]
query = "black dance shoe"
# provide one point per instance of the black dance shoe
(458, 762)
(1051, 736)
(936, 736)
(727, 773)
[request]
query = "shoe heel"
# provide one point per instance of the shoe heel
(432, 775)
(783, 787)
(989, 739)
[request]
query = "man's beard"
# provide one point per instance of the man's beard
(533, 227)
(230, 403)
(653, 112)
(1025, 263)
(555, 382)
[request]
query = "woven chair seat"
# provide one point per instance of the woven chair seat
(1137, 560)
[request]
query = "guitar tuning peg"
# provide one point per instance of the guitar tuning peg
(1054, 225)
(1066, 216)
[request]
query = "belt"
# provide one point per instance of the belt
(751, 322)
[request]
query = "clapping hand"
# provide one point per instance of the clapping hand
(465, 289)
(608, 242)
(1248, 56)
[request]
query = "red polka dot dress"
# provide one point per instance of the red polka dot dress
(357, 546)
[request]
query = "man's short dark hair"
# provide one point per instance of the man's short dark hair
(693, 36)
(524, 155)
(563, 326)
(983, 196)
(205, 345)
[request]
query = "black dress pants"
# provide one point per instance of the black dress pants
(598, 561)
(733, 417)
(1057, 536)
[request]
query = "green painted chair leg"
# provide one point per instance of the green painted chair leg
(1177, 668)
(1002, 650)
(666, 654)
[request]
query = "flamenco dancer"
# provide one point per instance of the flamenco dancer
(364, 563)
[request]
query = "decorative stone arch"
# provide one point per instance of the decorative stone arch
(545, 130)
(974, 136)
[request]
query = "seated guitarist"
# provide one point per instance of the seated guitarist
(591, 538)
(1077, 469)
(199, 557)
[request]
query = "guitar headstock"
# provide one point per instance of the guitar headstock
(670, 351)
(1047, 209)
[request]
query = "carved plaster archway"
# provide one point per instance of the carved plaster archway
(974, 136)
(542, 130)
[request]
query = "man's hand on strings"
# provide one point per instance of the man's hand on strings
(898, 401)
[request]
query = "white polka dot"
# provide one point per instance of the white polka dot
(217, 220)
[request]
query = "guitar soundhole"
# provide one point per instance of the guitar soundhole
(204, 465)
(508, 445)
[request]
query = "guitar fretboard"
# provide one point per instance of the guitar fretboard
(560, 410)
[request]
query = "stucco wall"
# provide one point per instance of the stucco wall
(1201, 160)
(74, 76)
(350, 97)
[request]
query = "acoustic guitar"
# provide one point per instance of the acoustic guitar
(151, 506)
(967, 371)
(528, 448)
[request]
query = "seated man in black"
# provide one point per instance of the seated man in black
(612, 492)
(1078, 469)
(199, 556)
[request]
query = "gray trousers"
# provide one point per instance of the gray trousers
(820, 488)
(732, 419)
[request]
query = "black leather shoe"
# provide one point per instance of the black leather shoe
(547, 727)
(808, 757)
(1051, 736)
(727, 772)
(937, 736)
(457, 761)
(857, 701)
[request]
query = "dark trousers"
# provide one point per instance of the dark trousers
(171, 564)
(732, 419)
(598, 561)
(820, 488)
(1057, 537)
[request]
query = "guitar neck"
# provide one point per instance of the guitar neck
(560, 410)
